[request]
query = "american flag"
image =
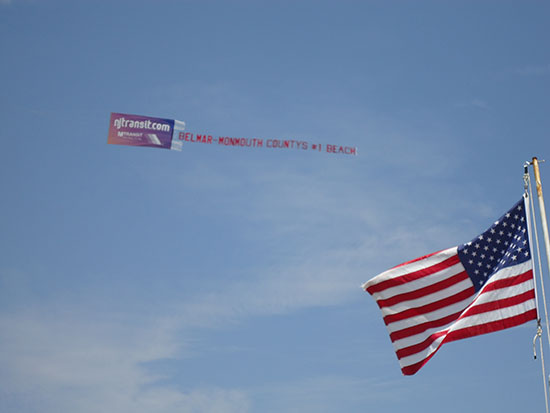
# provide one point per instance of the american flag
(481, 286)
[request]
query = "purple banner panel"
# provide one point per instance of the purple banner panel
(136, 130)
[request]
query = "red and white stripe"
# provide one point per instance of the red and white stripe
(431, 301)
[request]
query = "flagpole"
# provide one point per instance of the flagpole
(542, 211)
(538, 335)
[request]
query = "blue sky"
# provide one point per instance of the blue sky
(223, 279)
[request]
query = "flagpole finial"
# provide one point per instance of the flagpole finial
(538, 182)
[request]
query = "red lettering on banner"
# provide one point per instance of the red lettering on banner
(285, 144)
(189, 137)
(204, 139)
(237, 141)
(269, 143)
(347, 150)
(185, 136)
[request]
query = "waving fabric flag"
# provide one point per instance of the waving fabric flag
(475, 288)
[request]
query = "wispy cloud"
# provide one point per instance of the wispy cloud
(321, 281)
(533, 70)
(474, 103)
(478, 103)
(61, 359)
(68, 364)
(332, 393)
(58, 358)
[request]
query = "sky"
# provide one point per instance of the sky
(227, 279)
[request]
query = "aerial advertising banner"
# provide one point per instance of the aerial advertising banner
(136, 130)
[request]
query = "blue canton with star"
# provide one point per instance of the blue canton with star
(504, 244)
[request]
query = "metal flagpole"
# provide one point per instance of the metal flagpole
(544, 223)
(542, 210)
(531, 219)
